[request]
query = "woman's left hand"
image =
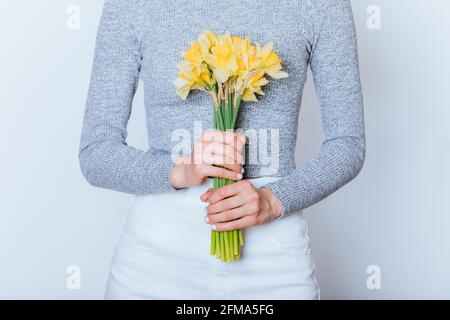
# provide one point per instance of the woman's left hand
(240, 205)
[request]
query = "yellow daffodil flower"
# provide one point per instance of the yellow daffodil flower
(229, 60)
(191, 77)
(206, 40)
(269, 61)
(254, 86)
(223, 58)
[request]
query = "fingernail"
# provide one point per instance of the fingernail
(239, 176)
(213, 227)
(206, 219)
(242, 170)
(206, 211)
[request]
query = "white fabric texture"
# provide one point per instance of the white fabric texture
(164, 253)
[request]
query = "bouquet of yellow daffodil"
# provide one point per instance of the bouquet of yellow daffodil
(231, 70)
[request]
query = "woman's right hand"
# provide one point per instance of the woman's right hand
(213, 149)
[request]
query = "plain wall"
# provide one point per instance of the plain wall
(395, 215)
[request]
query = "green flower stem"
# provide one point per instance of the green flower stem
(219, 119)
(222, 114)
(226, 112)
(222, 246)
(230, 244)
(235, 242)
(226, 245)
(230, 109)
(241, 238)
(235, 111)
(213, 243)
(217, 236)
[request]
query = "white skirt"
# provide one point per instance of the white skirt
(164, 253)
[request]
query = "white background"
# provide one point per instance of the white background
(395, 215)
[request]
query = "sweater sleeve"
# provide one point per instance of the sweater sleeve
(335, 69)
(105, 158)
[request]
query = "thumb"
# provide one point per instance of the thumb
(204, 197)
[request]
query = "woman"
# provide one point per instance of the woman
(164, 248)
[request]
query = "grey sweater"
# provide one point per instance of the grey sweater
(142, 40)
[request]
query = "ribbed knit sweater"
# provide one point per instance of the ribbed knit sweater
(142, 40)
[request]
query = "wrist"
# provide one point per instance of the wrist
(178, 174)
(273, 204)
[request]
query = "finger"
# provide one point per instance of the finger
(213, 171)
(237, 141)
(219, 136)
(231, 155)
(241, 137)
(218, 148)
(234, 167)
(198, 158)
(204, 150)
(230, 215)
(222, 160)
(205, 196)
(226, 204)
(241, 223)
(227, 191)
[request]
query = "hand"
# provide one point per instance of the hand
(240, 205)
(214, 148)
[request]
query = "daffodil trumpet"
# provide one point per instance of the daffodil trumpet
(231, 70)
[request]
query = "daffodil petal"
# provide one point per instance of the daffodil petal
(277, 74)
